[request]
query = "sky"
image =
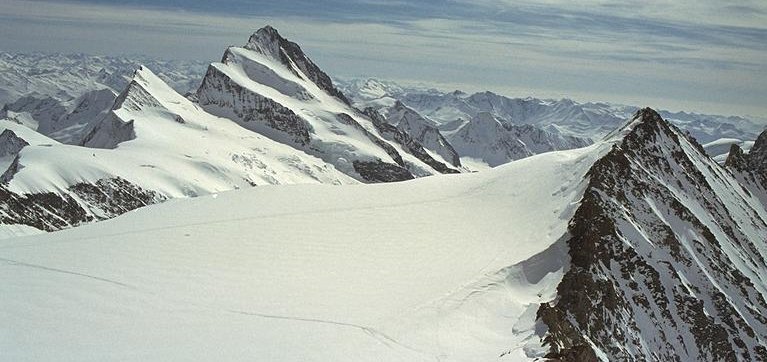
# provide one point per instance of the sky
(705, 56)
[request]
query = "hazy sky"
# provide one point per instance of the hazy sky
(705, 55)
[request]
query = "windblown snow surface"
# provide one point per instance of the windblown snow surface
(448, 268)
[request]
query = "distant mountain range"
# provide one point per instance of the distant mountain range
(38, 86)
(591, 232)
(68, 76)
(303, 128)
(565, 116)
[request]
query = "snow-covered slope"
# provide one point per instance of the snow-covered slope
(486, 140)
(423, 130)
(667, 257)
(154, 144)
(636, 248)
(441, 268)
(719, 149)
(369, 89)
(269, 86)
(99, 155)
(68, 76)
(708, 128)
(64, 121)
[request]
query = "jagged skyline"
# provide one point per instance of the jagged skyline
(705, 56)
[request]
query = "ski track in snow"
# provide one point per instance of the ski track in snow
(324, 276)
(57, 270)
(372, 332)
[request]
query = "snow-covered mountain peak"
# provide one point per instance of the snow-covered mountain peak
(490, 140)
(669, 246)
(268, 42)
(271, 87)
(370, 92)
(645, 115)
(138, 93)
(422, 129)
(68, 76)
(404, 111)
(647, 128)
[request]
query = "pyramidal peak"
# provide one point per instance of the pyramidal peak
(267, 41)
(646, 116)
(138, 93)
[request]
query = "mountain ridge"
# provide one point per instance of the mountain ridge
(620, 223)
(641, 248)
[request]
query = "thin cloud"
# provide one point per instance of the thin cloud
(626, 52)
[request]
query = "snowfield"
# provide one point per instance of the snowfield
(448, 268)
(270, 245)
(178, 149)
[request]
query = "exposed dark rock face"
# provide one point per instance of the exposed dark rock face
(412, 146)
(85, 202)
(110, 197)
(424, 131)
(109, 132)
(667, 258)
(135, 98)
(40, 109)
(750, 167)
(758, 153)
(269, 42)
(10, 143)
(272, 109)
(36, 210)
(222, 96)
(12, 169)
(379, 171)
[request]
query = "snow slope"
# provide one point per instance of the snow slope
(447, 268)
(639, 247)
(65, 121)
(153, 145)
(485, 141)
(422, 129)
(175, 148)
(719, 149)
(668, 255)
(271, 87)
